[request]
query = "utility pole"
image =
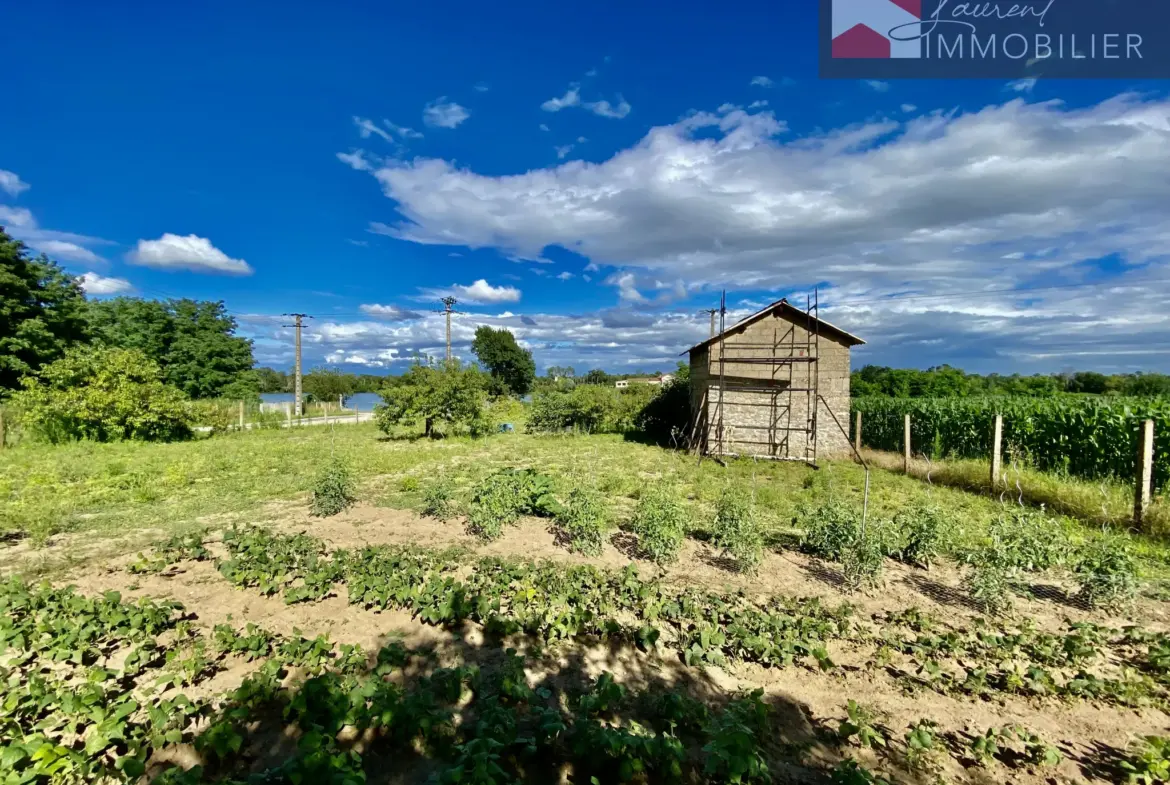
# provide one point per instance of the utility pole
(297, 405)
(711, 312)
(448, 309)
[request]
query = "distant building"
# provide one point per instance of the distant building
(653, 381)
(774, 385)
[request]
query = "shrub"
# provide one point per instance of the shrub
(829, 529)
(925, 529)
(660, 523)
(737, 532)
(589, 408)
(103, 395)
(1031, 541)
(503, 497)
(666, 418)
(1107, 573)
(437, 499)
(863, 558)
(408, 484)
(334, 489)
(584, 520)
(989, 580)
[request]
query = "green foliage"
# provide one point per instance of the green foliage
(989, 580)
(42, 312)
(1081, 436)
(733, 754)
(829, 529)
(660, 523)
(585, 521)
(193, 342)
(328, 384)
(985, 748)
(864, 557)
(588, 408)
(103, 395)
(1107, 573)
(1149, 761)
(334, 489)
(1029, 540)
(926, 530)
(945, 381)
(503, 497)
(737, 532)
(920, 744)
(666, 418)
(850, 772)
(862, 723)
(438, 498)
(452, 394)
(508, 363)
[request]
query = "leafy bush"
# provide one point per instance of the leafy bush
(1030, 540)
(734, 752)
(103, 395)
(829, 529)
(660, 523)
(585, 520)
(589, 408)
(989, 580)
(334, 489)
(503, 497)
(925, 528)
(864, 557)
(737, 532)
(437, 499)
(665, 419)
(1107, 573)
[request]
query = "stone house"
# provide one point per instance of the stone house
(785, 379)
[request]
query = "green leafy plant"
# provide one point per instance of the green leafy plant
(438, 498)
(1029, 540)
(1107, 572)
(829, 529)
(863, 558)
(503, 497)
(1148, 761)
(584, 520)
(925, 528)
(862, 723)
(985, 748)
(736, 531)
(334, 489)
(660, 523)
(989, 580)
(920, 744)
(850, 772)
(733, 752)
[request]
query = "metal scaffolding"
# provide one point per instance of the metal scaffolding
(786, 353)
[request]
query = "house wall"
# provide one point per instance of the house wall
(760, 416)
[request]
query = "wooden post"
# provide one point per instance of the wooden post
(857, 432)
(288, 415)
(241, 415)
(357, 415)
(996, 450)
(906, 446)
(2, 433)
(1144, 476)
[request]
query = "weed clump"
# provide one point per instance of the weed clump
(989, 581)
(737, 532)
(1108, 574)
(585, 521)
(334, 489)
(438, 499)
(506, 495)
(1030, 540)
(660, 523)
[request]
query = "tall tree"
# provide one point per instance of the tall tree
(42, 312)
(511, 365)
(194, 342)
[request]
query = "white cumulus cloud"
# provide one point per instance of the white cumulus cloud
(478, 293)
(11, 183)
(392, 313)
(99, 285)
(189, 252)
(442, 113)
(762, 81)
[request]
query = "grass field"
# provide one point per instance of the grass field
(385, 645)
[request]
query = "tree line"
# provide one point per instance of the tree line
(944, 382)
(44, 314)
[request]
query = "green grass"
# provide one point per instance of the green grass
(117, 488)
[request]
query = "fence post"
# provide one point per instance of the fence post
(357, 415)
(997, 450)
(288, 415)
(241, 415)
(2, 433)
(857, 432)
(1144, 476)
(906, 446)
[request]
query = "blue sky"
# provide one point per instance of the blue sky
(589, 178)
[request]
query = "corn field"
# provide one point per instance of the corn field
(1080, 436)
